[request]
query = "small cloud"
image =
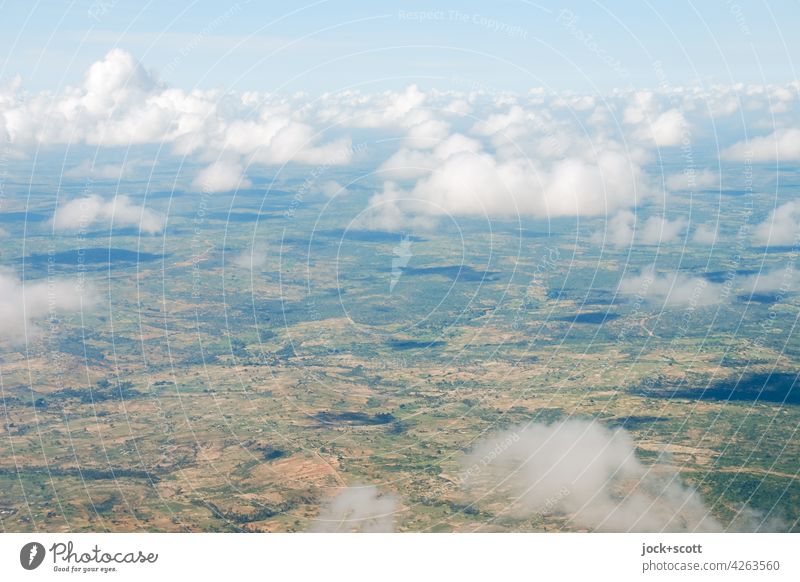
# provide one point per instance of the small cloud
(667, 129)
(253, 258)
(692, 180)
(658, 230)
(358, 509)
(82, 213)
(619, 230)
(784, 280)
(781, 145)
(24, 302)
(221, 176)
(781, 228)
(588, 475)
(671, 289)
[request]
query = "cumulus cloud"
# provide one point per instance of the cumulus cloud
(785, 280)
(692, 180)
(781, 145)
(358, 509)
(658, 230)
(587, 474)
(621, 229)
(119, 103)
(24, 302)
(252, 258)
(120, 211)
(476, 183)
(221, 176)
(671, 289)
(665, 130)
(781, 228)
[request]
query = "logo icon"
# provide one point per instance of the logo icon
(31, 555)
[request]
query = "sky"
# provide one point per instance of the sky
(335, 45)
(503, 110)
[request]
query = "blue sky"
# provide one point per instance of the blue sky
(332, 45)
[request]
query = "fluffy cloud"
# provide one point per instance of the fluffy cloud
(692, 180)
(658, 230)
(665, 130)
(587, 474)
(671, 289)
(24, 302)
(784, 280)
(476, 183)
(621, 228)
(358, 509)
(221, 176)
(120, 211)
(781, 145)
(121, 104)
(781, 228)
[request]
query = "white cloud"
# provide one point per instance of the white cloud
(620, 230)
(121, 104)
(408, 163)
(692, 180)
(358, 509)
(658, 230)
(785, 280)
(781, 145)
(22, 303)
(588, 475)
(470, 183)
(781, 228)
(120, 211)
(221, 176)
(671, 289)
(252, 258)
(665, 130)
